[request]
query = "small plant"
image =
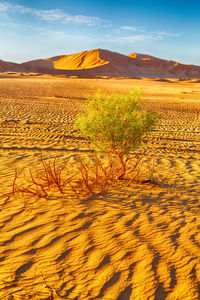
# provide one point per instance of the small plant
(116, 124)
(40, 181)
(52, 174)
(95, 173)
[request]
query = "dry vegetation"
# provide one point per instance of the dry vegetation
(133, 241)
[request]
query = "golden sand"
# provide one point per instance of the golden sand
(136, 242)
(82, 60)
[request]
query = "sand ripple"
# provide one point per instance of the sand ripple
(120, 246)
(139, 242)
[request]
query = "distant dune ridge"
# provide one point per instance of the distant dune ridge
(7, 66)
(101, 62)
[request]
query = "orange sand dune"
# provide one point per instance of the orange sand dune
(101, 62)
(82, 60)
(166, 67)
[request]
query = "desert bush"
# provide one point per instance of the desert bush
(88, 175)
(95, 173)
(39, 181)
(116, 124)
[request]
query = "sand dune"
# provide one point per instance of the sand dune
(101, 62)
(82, 60)
(136, 242)
(6, 66)
(167, 68)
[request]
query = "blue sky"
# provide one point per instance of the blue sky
(40, 29)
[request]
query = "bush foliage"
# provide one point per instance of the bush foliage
(116, 123)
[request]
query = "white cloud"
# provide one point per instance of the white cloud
(137, 37)
(114, 32)
(60, 35)
(129, 28)
(163, 34)
(80, 19)
(51, 14)
(141, 35)
(5, 6)
(48, 15)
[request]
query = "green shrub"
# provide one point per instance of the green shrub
(116, 123)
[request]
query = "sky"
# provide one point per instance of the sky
(168, 29)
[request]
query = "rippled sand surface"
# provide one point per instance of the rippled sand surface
(136, 242)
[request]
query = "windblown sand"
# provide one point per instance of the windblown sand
(136, 242)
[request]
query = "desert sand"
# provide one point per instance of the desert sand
(137, 242)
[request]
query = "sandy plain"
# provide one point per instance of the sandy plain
(136, 242)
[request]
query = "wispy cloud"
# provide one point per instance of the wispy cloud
(48, 15)
(133, 34)
(162, 34)
(129, 28)
(110, 31)
(139, 34)
(80, 19)
(4, 6)
(51, 14)
(137, 37)
(59, 35)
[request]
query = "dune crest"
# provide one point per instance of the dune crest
(78, 61)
